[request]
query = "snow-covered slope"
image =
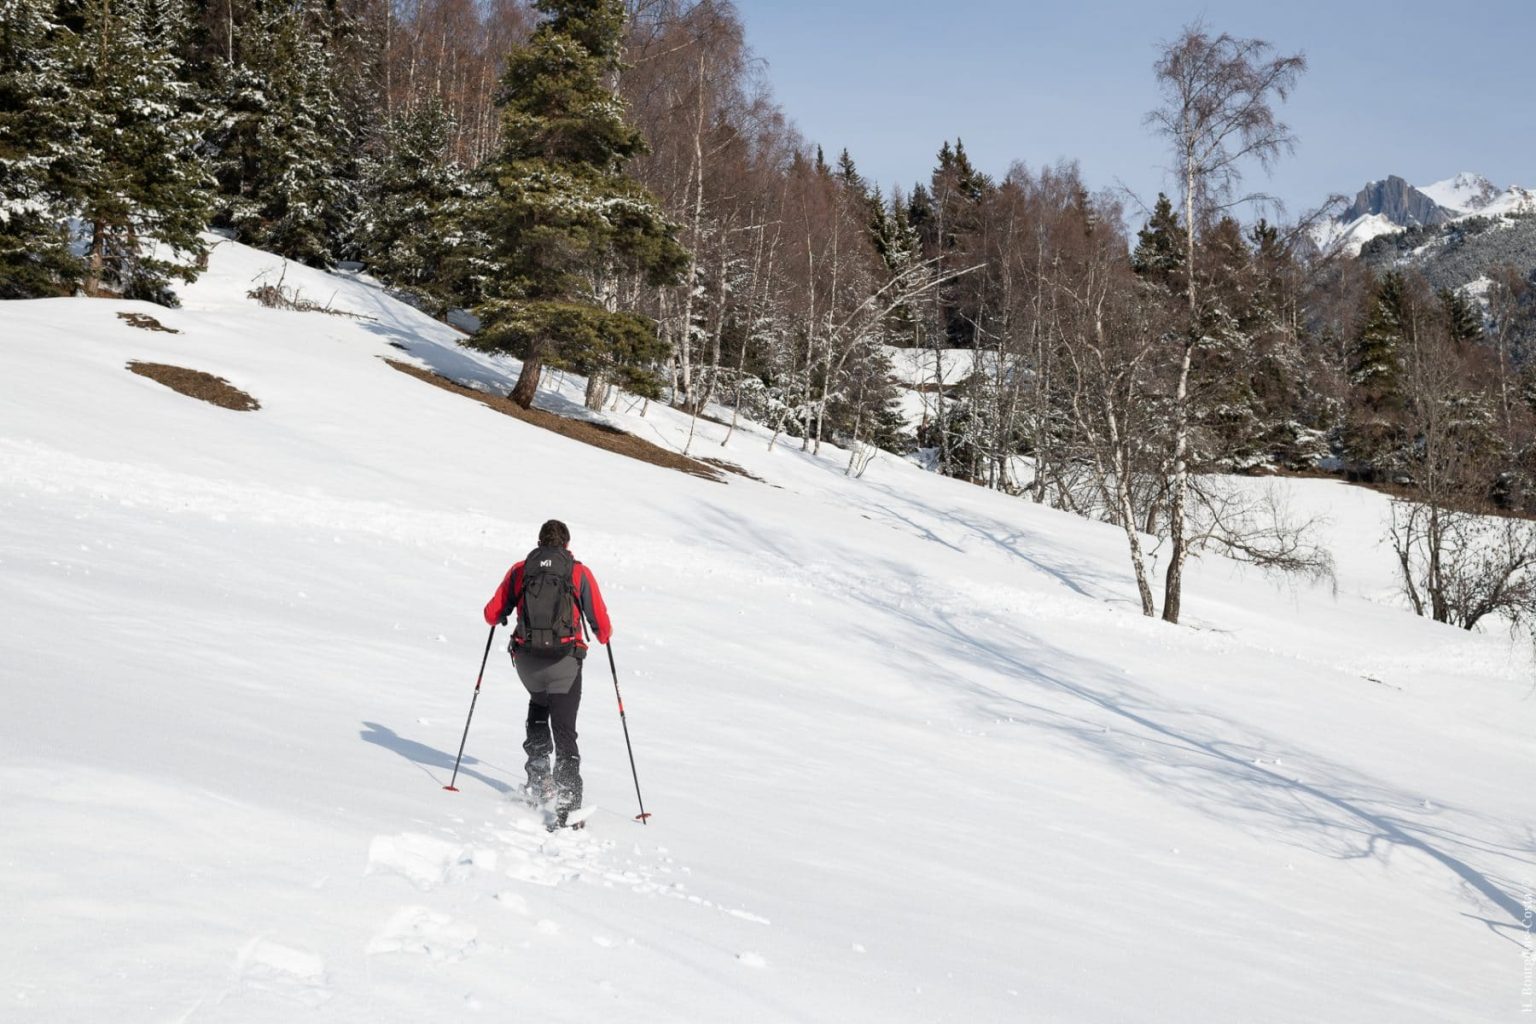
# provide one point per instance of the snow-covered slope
(1512, 201)
(1471, 195)
(1467, 192)
(911, 752)
(1350, 236)
(924, 375)
(1466, 195)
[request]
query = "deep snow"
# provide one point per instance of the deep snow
(911, 752)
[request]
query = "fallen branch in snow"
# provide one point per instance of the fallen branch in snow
(280, 296)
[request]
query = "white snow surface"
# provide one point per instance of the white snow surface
(921, 372)
(1513, 201)
(1467, 192)
(1334, 234)
(918, 367)
(911, 752)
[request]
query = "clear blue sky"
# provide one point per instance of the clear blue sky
(1415, 88)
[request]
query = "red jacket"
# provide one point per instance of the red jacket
(588, 604)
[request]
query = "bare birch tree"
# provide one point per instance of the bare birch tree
(1218, 114)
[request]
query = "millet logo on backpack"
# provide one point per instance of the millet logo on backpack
(546, 563)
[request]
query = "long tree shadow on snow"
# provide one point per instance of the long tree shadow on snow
(425, 756)
(1211, 763)
(1010, 540)
(1214, 764)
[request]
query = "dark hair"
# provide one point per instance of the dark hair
(554, 534)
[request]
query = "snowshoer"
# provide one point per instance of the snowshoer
(551, 593)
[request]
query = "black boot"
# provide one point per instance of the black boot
(567, 785)
(539, 746)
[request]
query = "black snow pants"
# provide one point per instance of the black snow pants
(551, 728)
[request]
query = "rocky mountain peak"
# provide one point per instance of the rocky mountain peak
(1397, 201)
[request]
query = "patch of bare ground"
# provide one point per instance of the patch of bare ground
(731, 467)
(598, 435)
(197, 384)
(144, 321)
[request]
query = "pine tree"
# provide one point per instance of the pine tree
(142, 189)
(1159, 253)
(563, 218)
(848, 173)
(412, 209)
(959, 194)
(1375, 376)
(284, 149)
(1231, 316)
(920, 214)
(37, 165)
(1373, 369)
(1462, 317)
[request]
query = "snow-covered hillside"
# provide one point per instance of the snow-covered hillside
(1467, 192)
(911, 752)
(1465, 195)
(925, 374)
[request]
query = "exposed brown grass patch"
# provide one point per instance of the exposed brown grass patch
(197, 384)
(146, 322)
(598, 435)
(731, 467)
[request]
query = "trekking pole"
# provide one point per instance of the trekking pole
(624, 722)
(484, 658)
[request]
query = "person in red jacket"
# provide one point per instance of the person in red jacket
(551, 594)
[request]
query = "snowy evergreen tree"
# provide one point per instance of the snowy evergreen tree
(1376, 399)
(899, 248)
(1159, 253)
(1373, 367)
(563, 218)
(37, 152)
(142, 191)
(283, 146)
(1462, 317)
(920, 212)
(413, 209)
(949, 232)
(1223, 402)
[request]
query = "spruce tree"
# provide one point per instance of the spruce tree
(1231, 319)
(37, 161)
(142, 191)
(1159, 253)
(959, 193)
(1373, 369)
(283, 146)
(1374, 375)
(413, 207)
(920, 214)
(563, 219)
(1463, 319)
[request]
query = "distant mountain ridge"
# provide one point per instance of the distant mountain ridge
(1392, 204)
(1397, 201)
